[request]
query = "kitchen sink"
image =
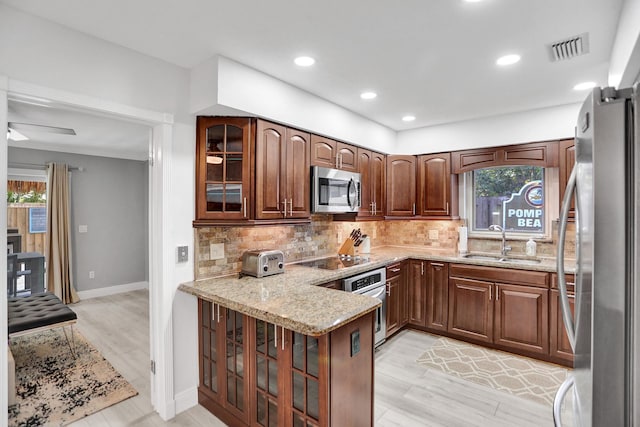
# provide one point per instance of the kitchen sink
(497, 258)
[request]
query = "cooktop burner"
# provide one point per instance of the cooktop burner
(334, 263)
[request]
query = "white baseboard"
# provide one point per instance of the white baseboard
(112, 290)
(186, 399)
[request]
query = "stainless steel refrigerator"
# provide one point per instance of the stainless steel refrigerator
(605, 330)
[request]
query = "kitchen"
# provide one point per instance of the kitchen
(539, 126)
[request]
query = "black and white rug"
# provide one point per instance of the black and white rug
(54, 388)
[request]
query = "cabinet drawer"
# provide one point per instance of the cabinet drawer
(520, 277)
(393, 270)
(569, 278)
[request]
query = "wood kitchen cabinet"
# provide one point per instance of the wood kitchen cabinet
(507, 308)
(223, 169)
(437, 186)
(437, 307)
(417, 289)
(255, 373)
(397, 297)
(567, 149)
(329, 153)
(224, 383)
(543, 154)
(372, 167)
(559, 346)
(401, 185)
(282, 172)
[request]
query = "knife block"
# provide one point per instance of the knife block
(347, 248)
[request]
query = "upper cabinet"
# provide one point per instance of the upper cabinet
(437, 186)
(371, 166)
(535, 154)
(282, 172)
(329, 153)
(223, 170)
(567, 161)
(401, 185)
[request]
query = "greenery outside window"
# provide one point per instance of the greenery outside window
(512, 197)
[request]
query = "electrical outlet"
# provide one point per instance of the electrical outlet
(216, 251)
(92, 274)
(434, 234)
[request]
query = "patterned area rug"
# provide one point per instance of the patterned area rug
(53, 388)
(520, 376)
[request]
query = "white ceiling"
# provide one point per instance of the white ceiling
(434, 59)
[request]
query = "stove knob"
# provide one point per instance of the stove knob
(265, 268)
(280, 265)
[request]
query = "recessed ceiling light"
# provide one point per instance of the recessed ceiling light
(368, 95)
(304, 61)
(584, 86)
(508, 60)
(408, 118)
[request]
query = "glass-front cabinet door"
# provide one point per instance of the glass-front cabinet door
(223, 169)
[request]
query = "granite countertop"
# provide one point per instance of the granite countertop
(292, 300)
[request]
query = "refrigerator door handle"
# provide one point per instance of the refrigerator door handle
(569, 324)
(557, 401)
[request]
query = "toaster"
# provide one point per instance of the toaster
(262, 262)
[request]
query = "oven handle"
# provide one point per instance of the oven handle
(380, 292)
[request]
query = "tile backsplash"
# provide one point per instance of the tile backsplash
(323, 237)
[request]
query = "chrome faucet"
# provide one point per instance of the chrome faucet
(503, 248)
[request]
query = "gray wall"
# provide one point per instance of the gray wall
(110, 196)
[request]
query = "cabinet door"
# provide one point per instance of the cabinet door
(471, 309)
(521, 318)
(567, 162)
(323, 151)
(235, 349)
(297, 177)
(417, 293)
(404, 293)
(223, 172)
(347, 157)
(270, 157)
(365, 167)
(401, 185)
(308, 379)
(267, 382)
(434, 184)
(211, 361)
(394, 302)
(378, 183)
(437, 301)
(559, 342)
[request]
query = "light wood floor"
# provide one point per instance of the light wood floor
(407, 394)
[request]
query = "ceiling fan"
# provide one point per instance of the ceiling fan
(14, 129)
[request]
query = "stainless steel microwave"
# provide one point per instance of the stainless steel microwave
(334, 191)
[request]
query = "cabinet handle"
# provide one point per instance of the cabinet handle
(497, 293)
(447, 208)
(291, 207)
(395, 270)
(218, 313)
(388, 289)
(282, 338)
(375, 208)
(422, 268)
(337, 156)
(437, 264)
(244, 205)
(275, 332)
(285, 207)
(414, 208)
(372, 208)
(490, 289)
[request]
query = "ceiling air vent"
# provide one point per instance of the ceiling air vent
(570, 47)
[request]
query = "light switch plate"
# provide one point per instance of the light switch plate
(183, 253)
(216, 251)
(83, 228)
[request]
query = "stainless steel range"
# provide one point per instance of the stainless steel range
(373, 284)
(334, 262)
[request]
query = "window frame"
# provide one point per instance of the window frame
(551, 190)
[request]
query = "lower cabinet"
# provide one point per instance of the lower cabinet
(437, 309)
(471, 309)
(559, 346)
(255, 373)
(510, 316)
(397, 297)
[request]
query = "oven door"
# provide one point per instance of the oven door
(380, 318)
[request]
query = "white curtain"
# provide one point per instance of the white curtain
(58, 242)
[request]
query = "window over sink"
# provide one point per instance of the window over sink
(513, 197)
